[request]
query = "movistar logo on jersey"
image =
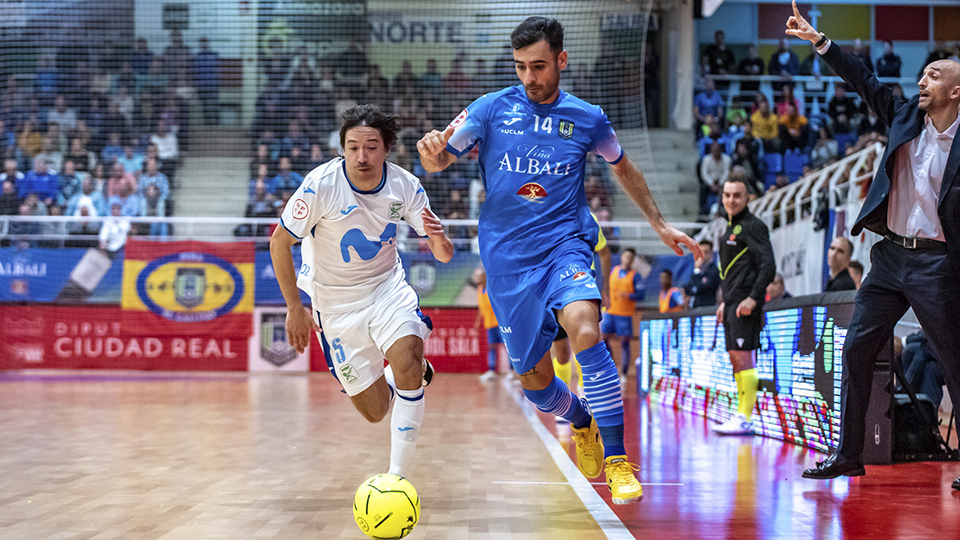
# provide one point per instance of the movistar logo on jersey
(365, 248)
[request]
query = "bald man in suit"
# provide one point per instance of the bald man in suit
(914, 203)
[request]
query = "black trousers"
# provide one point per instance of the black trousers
(899, 278)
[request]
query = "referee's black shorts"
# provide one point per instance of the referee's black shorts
(742, 333)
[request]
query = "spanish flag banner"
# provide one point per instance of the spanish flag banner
(189, 288)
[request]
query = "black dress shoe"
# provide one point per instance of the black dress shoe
(956, 483)
(835, 466)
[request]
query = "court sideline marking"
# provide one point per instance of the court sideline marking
(608, 521)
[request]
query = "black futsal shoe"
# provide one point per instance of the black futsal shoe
(956, 483)
(427, 372)
(835, 466)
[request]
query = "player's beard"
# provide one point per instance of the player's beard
(540, 93)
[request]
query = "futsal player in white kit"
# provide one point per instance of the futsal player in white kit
(346, 213)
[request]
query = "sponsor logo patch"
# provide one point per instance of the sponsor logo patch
(460, 119)
(532, 192)
(395, 208)
(348, 374)
(300, 209)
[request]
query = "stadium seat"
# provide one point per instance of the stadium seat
(774, 166)
(844, 140)
(793, 162)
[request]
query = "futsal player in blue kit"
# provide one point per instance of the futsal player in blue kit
(536, 237)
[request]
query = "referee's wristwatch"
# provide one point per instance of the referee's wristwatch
(822, 42)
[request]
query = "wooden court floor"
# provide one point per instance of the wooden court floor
(133, 455)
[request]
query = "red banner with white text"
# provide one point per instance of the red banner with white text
(33, 337)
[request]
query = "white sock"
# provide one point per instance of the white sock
(405, 429)
(388, 375)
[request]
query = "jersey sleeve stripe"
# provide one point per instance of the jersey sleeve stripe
(293, 234)
(456, 152)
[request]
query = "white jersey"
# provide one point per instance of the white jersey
(349, 236)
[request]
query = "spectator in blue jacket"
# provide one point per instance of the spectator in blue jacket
(40, 181)
(285, 183)
(206, 77)
(90, 198)
(153, 177)
(784, 62)
(70, 183)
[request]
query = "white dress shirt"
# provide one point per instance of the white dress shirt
(915, 186)
(915, 189)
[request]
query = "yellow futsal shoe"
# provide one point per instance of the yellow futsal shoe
(589, 449)
(624, 487)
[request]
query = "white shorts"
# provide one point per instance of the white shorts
(355, 343)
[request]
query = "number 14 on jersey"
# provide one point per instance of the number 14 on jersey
(546, 125)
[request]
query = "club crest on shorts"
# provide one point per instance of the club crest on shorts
(348, 374)
(566, 129)
(532, 192)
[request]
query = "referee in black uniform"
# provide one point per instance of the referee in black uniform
(747, 266)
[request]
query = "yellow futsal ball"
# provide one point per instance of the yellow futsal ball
(386, 506)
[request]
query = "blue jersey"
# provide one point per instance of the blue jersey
(532, 159)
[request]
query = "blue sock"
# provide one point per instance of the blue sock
(625, 356)
(612, 440)
(492, 359)
(601, 384)
(558, 400)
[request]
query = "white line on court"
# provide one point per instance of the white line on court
(609, 523)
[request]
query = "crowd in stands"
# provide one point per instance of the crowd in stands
(99, 131)
(774, 144)
(296, 124)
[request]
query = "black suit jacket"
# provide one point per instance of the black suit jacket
(905, 120)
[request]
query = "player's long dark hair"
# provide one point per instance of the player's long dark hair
(371, 116)
(534, 29)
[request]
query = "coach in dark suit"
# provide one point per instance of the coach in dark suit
(914, 202)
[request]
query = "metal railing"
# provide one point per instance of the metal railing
(842, 182)
(56, 230)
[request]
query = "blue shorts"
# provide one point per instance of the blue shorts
(493, 335)
(620, 325)
(525, 302)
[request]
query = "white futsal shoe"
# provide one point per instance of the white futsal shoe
(736, 425)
